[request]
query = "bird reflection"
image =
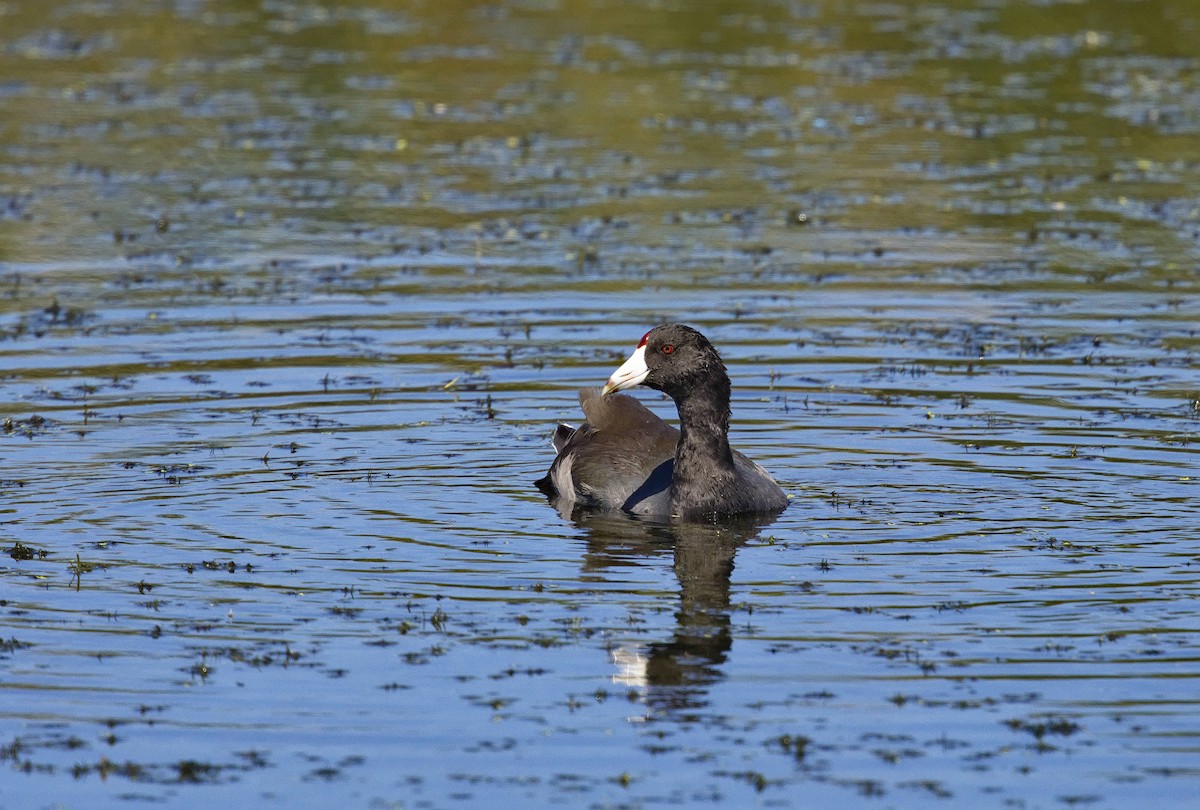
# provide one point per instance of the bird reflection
(675, 674)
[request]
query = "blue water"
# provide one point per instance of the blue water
(291, 298)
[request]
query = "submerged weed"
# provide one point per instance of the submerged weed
(20, 552)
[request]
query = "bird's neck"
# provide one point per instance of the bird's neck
(704, 430)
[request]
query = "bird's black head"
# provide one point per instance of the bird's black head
(671, 358)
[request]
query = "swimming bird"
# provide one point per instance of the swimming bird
(624, 457)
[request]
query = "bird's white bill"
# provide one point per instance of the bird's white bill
(632, 372)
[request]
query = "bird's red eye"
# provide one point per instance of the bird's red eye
(667, 349)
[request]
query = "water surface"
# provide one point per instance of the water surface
(291, 296)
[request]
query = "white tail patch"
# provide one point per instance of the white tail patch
(560, 477)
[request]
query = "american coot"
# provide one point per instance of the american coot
(624, 457)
